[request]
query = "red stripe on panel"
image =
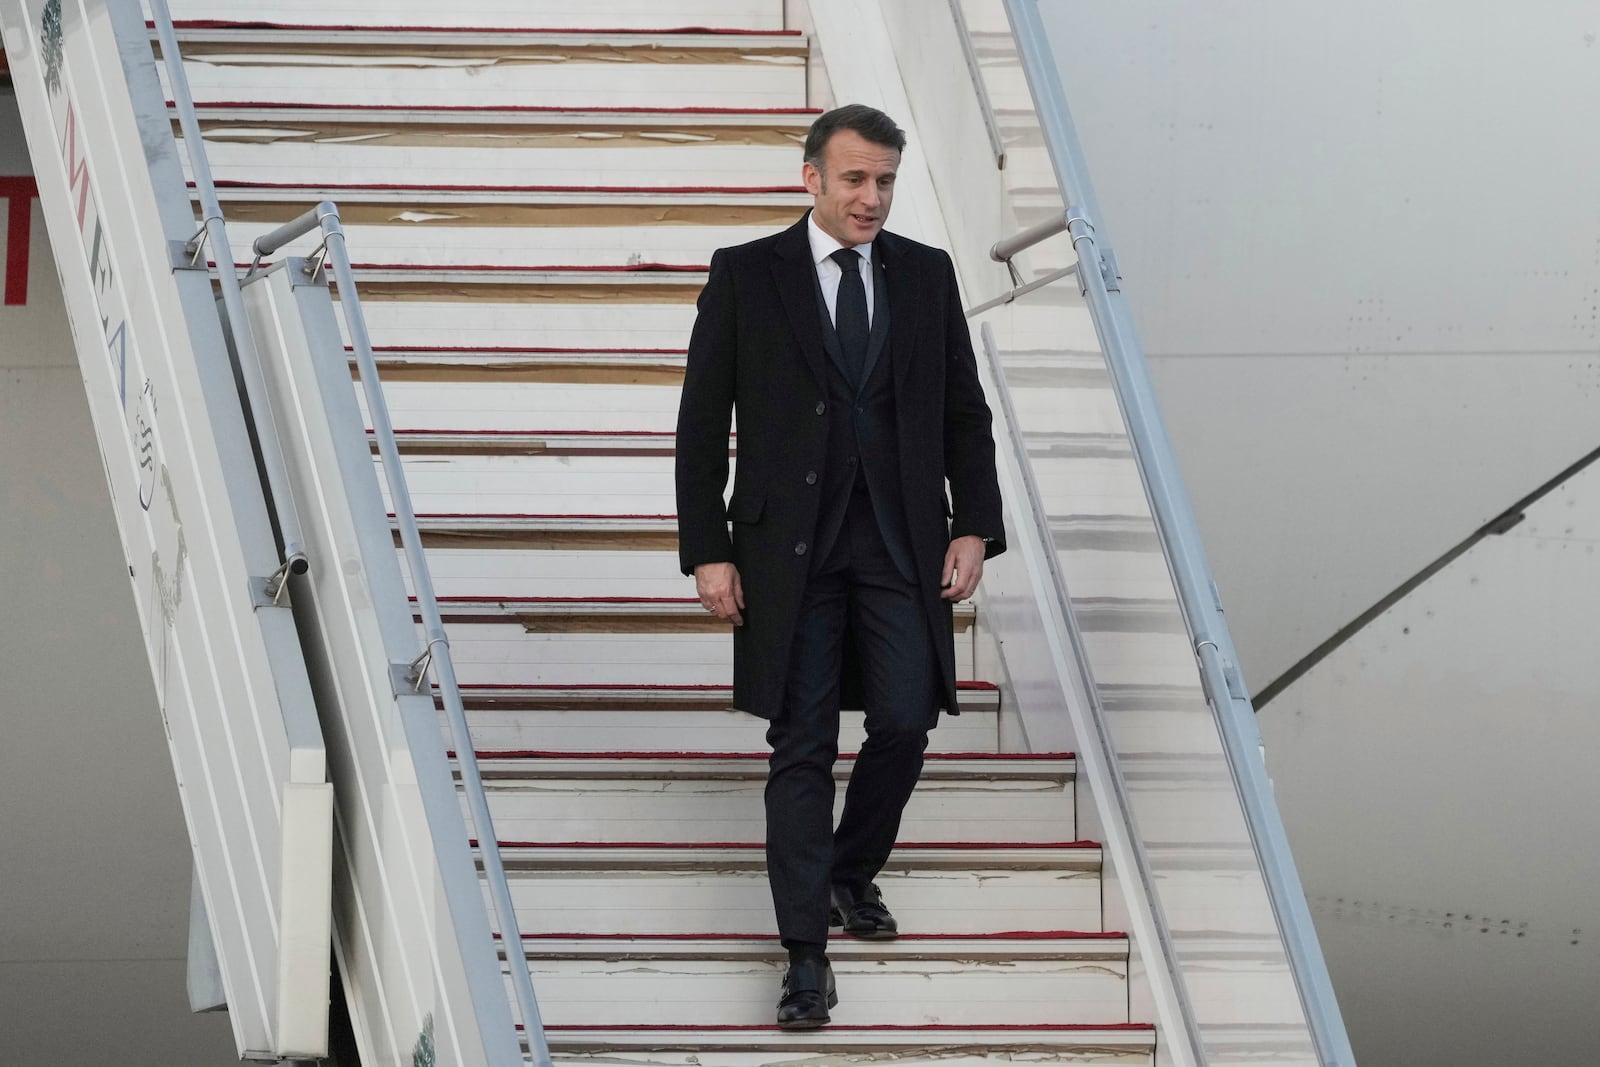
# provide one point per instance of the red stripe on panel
(19, 192)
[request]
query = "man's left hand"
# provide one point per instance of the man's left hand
(963, 566)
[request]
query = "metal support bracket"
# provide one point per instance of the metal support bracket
(413, 677)
(271, 591)
(312, 267)
(180, 257)
(1109, 270)
(1235, 681)
(261, 595)
(307, 271)
(403, 679)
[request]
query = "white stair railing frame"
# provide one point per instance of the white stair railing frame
(1178, 531)
(436, 652)
(331, 253)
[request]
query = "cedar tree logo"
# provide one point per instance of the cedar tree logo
(50, 45)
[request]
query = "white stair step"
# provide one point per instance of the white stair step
(728, 982)
(570, 531)
(640, 283)
(283, 151)
(653, 717)
(334, 146)
(1096, 576)
(1150, 659)
(506, 654)
(733, 15)
(471, 77)
(765, 1046)
(434, 237)
(523, 573)
(569, 324)
(522, 203)
(510, 403)
(973, 892)
(599, 568)
(616, 615)
(542, 442)
(689, 797)
(412, 68)
(510, 484)
(676, 45)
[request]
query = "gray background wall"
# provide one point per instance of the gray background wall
(94, 858)
(1363, 244)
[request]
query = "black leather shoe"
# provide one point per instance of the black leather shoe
(862, 914)
(807, 994)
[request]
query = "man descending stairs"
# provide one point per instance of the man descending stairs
(531, 207)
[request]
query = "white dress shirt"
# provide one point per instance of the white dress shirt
(822, 249)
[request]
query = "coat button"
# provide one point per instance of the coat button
(800, 549)
(821, 407)
(853, 461)
(811, 477)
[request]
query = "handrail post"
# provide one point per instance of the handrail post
(991, 124)
(1177, 529)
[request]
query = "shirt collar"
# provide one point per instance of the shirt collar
(823, 246)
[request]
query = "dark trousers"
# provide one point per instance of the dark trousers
(856, 584)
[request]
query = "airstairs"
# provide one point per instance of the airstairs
(529, 193)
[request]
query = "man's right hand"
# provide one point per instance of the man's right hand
(720, 591)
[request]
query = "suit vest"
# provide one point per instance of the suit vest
(863, 446)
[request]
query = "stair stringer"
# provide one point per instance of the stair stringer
(241, 723)
(416, 953)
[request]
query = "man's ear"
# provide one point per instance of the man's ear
(812, 177)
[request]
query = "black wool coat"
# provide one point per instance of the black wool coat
(758, 347)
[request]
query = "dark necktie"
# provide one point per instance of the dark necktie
(850, 312)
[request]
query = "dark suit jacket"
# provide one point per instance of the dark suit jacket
(758, 345)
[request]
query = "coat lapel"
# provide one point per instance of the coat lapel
(880, 315)
(796, 279)
(903, 284)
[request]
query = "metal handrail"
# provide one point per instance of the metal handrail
(214, 231)
(1022, 290)
(1220, 677)
(333, 254)
(1005, 249)
(990, 123)
(436, 652)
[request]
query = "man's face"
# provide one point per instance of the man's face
(853, 189)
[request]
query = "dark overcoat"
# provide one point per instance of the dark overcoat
(758, 347)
